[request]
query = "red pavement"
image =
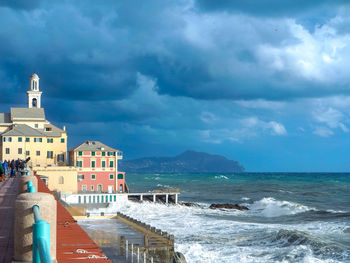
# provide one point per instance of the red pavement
(71, 239)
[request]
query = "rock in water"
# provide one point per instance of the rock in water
(228, 206)
(189, 204)
(179, 258)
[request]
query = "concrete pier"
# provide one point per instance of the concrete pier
(125, 234)
(106, 198)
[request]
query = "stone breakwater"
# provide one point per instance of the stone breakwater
(158, 245)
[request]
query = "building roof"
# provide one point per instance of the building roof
(37, 114)
(93, 146)
(5, 118)
(55, 131)
(22, 130)
(34, 76)
(25, 130)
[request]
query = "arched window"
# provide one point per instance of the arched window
(61, 180)
(33, 84)
(34, 103)
(35, 87)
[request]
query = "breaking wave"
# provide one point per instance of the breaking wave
(270, 207)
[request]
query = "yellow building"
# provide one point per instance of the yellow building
(25, 132)
(60, 178)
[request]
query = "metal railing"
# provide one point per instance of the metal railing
(41, 234)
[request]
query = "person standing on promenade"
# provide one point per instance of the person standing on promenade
(13, 166)
(2, 173)
(17, 162)
(5, 166)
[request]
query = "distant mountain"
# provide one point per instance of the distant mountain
(187, 162)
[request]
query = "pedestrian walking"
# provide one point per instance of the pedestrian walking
(5, 166)
(2, 173)
(13, 168)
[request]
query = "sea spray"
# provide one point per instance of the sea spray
(293, 218)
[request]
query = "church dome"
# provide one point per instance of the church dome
(34, 76)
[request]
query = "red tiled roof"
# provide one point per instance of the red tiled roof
(71, 237)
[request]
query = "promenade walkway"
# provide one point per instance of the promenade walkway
(73, 244)
(8, 194)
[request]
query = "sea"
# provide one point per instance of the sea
(292, 217)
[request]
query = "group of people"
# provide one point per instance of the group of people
(9, 168)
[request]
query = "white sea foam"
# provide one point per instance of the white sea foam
(270, 207)
(164, 185)
(206, 235)
(220, 177)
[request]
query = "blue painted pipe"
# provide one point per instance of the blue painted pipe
(41, 242)
(29, 184)
(41, 239)
(31, 189)
(36, 213)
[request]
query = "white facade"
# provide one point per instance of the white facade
(95, 198)
(34, 94)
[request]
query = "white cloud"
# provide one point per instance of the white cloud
(323, 131)
(277, 128)
(273, 127)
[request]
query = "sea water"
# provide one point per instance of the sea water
(291, 217)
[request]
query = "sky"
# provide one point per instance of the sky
(263, 82)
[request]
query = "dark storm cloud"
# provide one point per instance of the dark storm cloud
(93, 51)
(270, 8)
(20, 4)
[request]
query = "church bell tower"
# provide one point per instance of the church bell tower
(34, 95)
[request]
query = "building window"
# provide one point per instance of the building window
(93, 177)
(7, 139)
(79, 163)
(92, 189)
(48, 129)
(61, 180)
(37, 153)
(103, 153)
(60, 157)
(7, 150)
(103, 164)
(49, 140)
(92, 153)
(120, 176)
(62, 140)
(38, 139)
(111, 164)
(27, 153)
(49, 154)
(27, 139)
(99, 188)
(19, 150)
(19, 139)
(93, 164)
(111, 177)
(83, 188)
(36, 125)
(80, 177)
(80, 153)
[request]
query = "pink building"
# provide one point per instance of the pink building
(97, 166)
